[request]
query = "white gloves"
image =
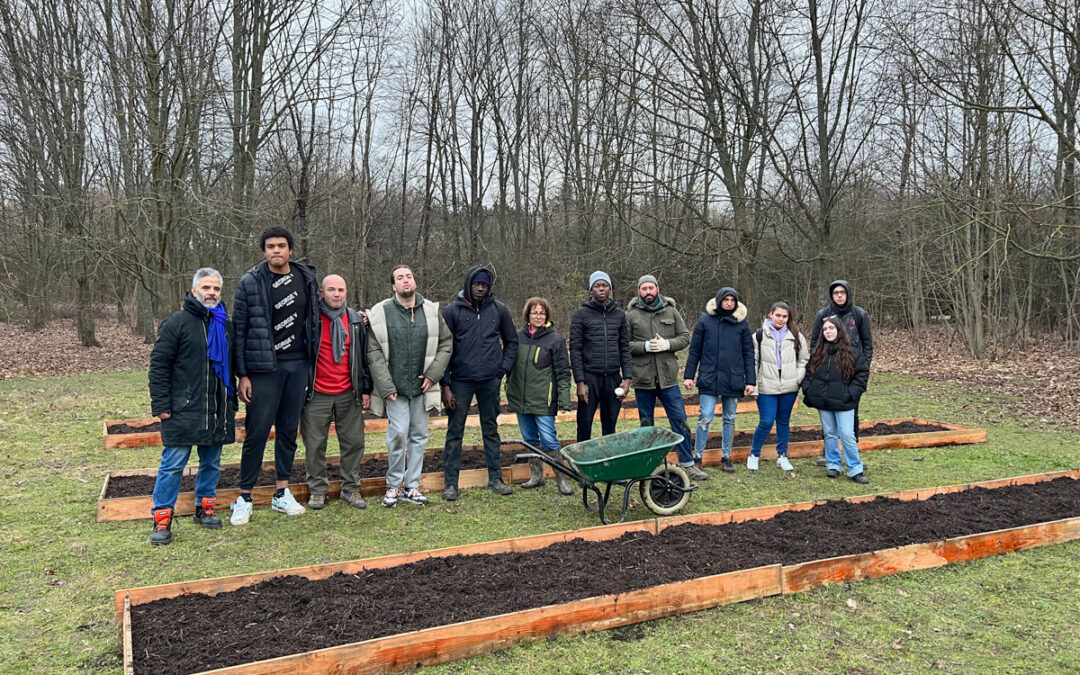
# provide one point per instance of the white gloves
(657, 344)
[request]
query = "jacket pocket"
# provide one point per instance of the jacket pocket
(667, 328)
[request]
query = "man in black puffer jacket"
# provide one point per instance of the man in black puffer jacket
(276, 313)
(485, 347)
(599, 349)
(192, 391)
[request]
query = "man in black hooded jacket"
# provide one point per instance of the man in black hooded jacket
(854, 318)
(485, 347)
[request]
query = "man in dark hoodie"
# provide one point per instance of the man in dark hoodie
(857, 322)
(276, 314)
(485, 347)
(599, 349)
(723, 347)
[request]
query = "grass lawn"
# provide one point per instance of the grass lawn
(1011, 613)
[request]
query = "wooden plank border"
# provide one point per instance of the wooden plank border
(137, 440)
(139, 507)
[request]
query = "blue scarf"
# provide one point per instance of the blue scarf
(217, 346)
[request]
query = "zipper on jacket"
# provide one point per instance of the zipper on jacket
(206, 392)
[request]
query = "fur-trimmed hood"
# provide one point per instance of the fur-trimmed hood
(739, 314)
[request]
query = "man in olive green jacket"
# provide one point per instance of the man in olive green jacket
(409, 346)
(657, 331)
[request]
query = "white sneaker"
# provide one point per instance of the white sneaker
(390, 498)
(752, 463)
(784, 463)
(287, 504)
(413, 495)
(241, 512)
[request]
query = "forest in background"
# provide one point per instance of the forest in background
(925, 151)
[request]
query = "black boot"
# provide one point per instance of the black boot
(162, 535)
(537, 477)
(204, 513)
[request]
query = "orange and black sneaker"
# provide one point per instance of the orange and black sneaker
(162, 535)
(204, 513)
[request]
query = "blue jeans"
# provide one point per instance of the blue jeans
(840, 424)
(539, 431)
(173, 461)
(705, 417)
(773, 408)
(671, 399)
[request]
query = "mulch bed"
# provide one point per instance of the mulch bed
(290, 615)
(122, 428)
(375, 466)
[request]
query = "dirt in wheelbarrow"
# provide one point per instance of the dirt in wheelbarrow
(219, 630)
(139, 486)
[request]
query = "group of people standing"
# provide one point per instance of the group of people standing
(299, 357)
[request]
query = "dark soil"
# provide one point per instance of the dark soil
(473, 410)
(199, 632)
(137, 486)
(373, 467)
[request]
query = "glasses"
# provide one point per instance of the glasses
(544, 314)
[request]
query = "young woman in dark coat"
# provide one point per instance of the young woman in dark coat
(835, 379)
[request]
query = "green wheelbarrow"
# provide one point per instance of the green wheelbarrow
(626, 458)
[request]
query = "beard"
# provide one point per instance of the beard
(208, 303)
(648, 299)
(407, 294)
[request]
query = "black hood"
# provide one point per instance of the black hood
(847, 287)
(466, 293)
(725, 291)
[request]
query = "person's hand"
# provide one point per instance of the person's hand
(650, 346)
(392, 397)
(661, 344)
(363, 314)
(164, 416)
(426, 384)
(365, 401)
(448, 400)
(243, 389)
(625, 384)
(750, 390)
(688, 384)
(582, 392)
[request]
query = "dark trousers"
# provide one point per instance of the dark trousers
(487, 401)
(672, 400)
(276, 400)
(602, 394)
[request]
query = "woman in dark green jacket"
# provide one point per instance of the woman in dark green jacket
(539, 385)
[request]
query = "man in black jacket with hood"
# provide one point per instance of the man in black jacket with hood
(599, 349)
(276, 314)
(192, 391)
(857, 322)
(485, 347)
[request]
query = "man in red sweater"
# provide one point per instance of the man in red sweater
(341, 394)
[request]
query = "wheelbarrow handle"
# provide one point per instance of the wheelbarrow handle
(551, 460)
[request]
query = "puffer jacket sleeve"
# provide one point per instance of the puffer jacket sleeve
(442, 353)
(162, 357)
(861, 378)
(748, 354)
(577, 347)
(803, 359)
(625, 360)
(240, 325)
(694, 355)
(815, 332)
(865, 338)
(509, 340)
(378, 367)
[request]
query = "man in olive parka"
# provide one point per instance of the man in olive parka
(657, 331)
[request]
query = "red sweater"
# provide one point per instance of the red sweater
(332, 378)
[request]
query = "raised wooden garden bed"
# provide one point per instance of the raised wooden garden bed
(743, 555)
(136, 433)
(138, 506)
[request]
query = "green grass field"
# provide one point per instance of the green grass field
(1013, 613)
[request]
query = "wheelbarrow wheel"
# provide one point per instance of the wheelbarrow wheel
(661, 497)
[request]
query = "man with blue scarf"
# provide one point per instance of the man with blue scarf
(193, 392)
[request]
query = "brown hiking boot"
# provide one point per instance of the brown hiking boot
(162, 535)
(204, 513)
